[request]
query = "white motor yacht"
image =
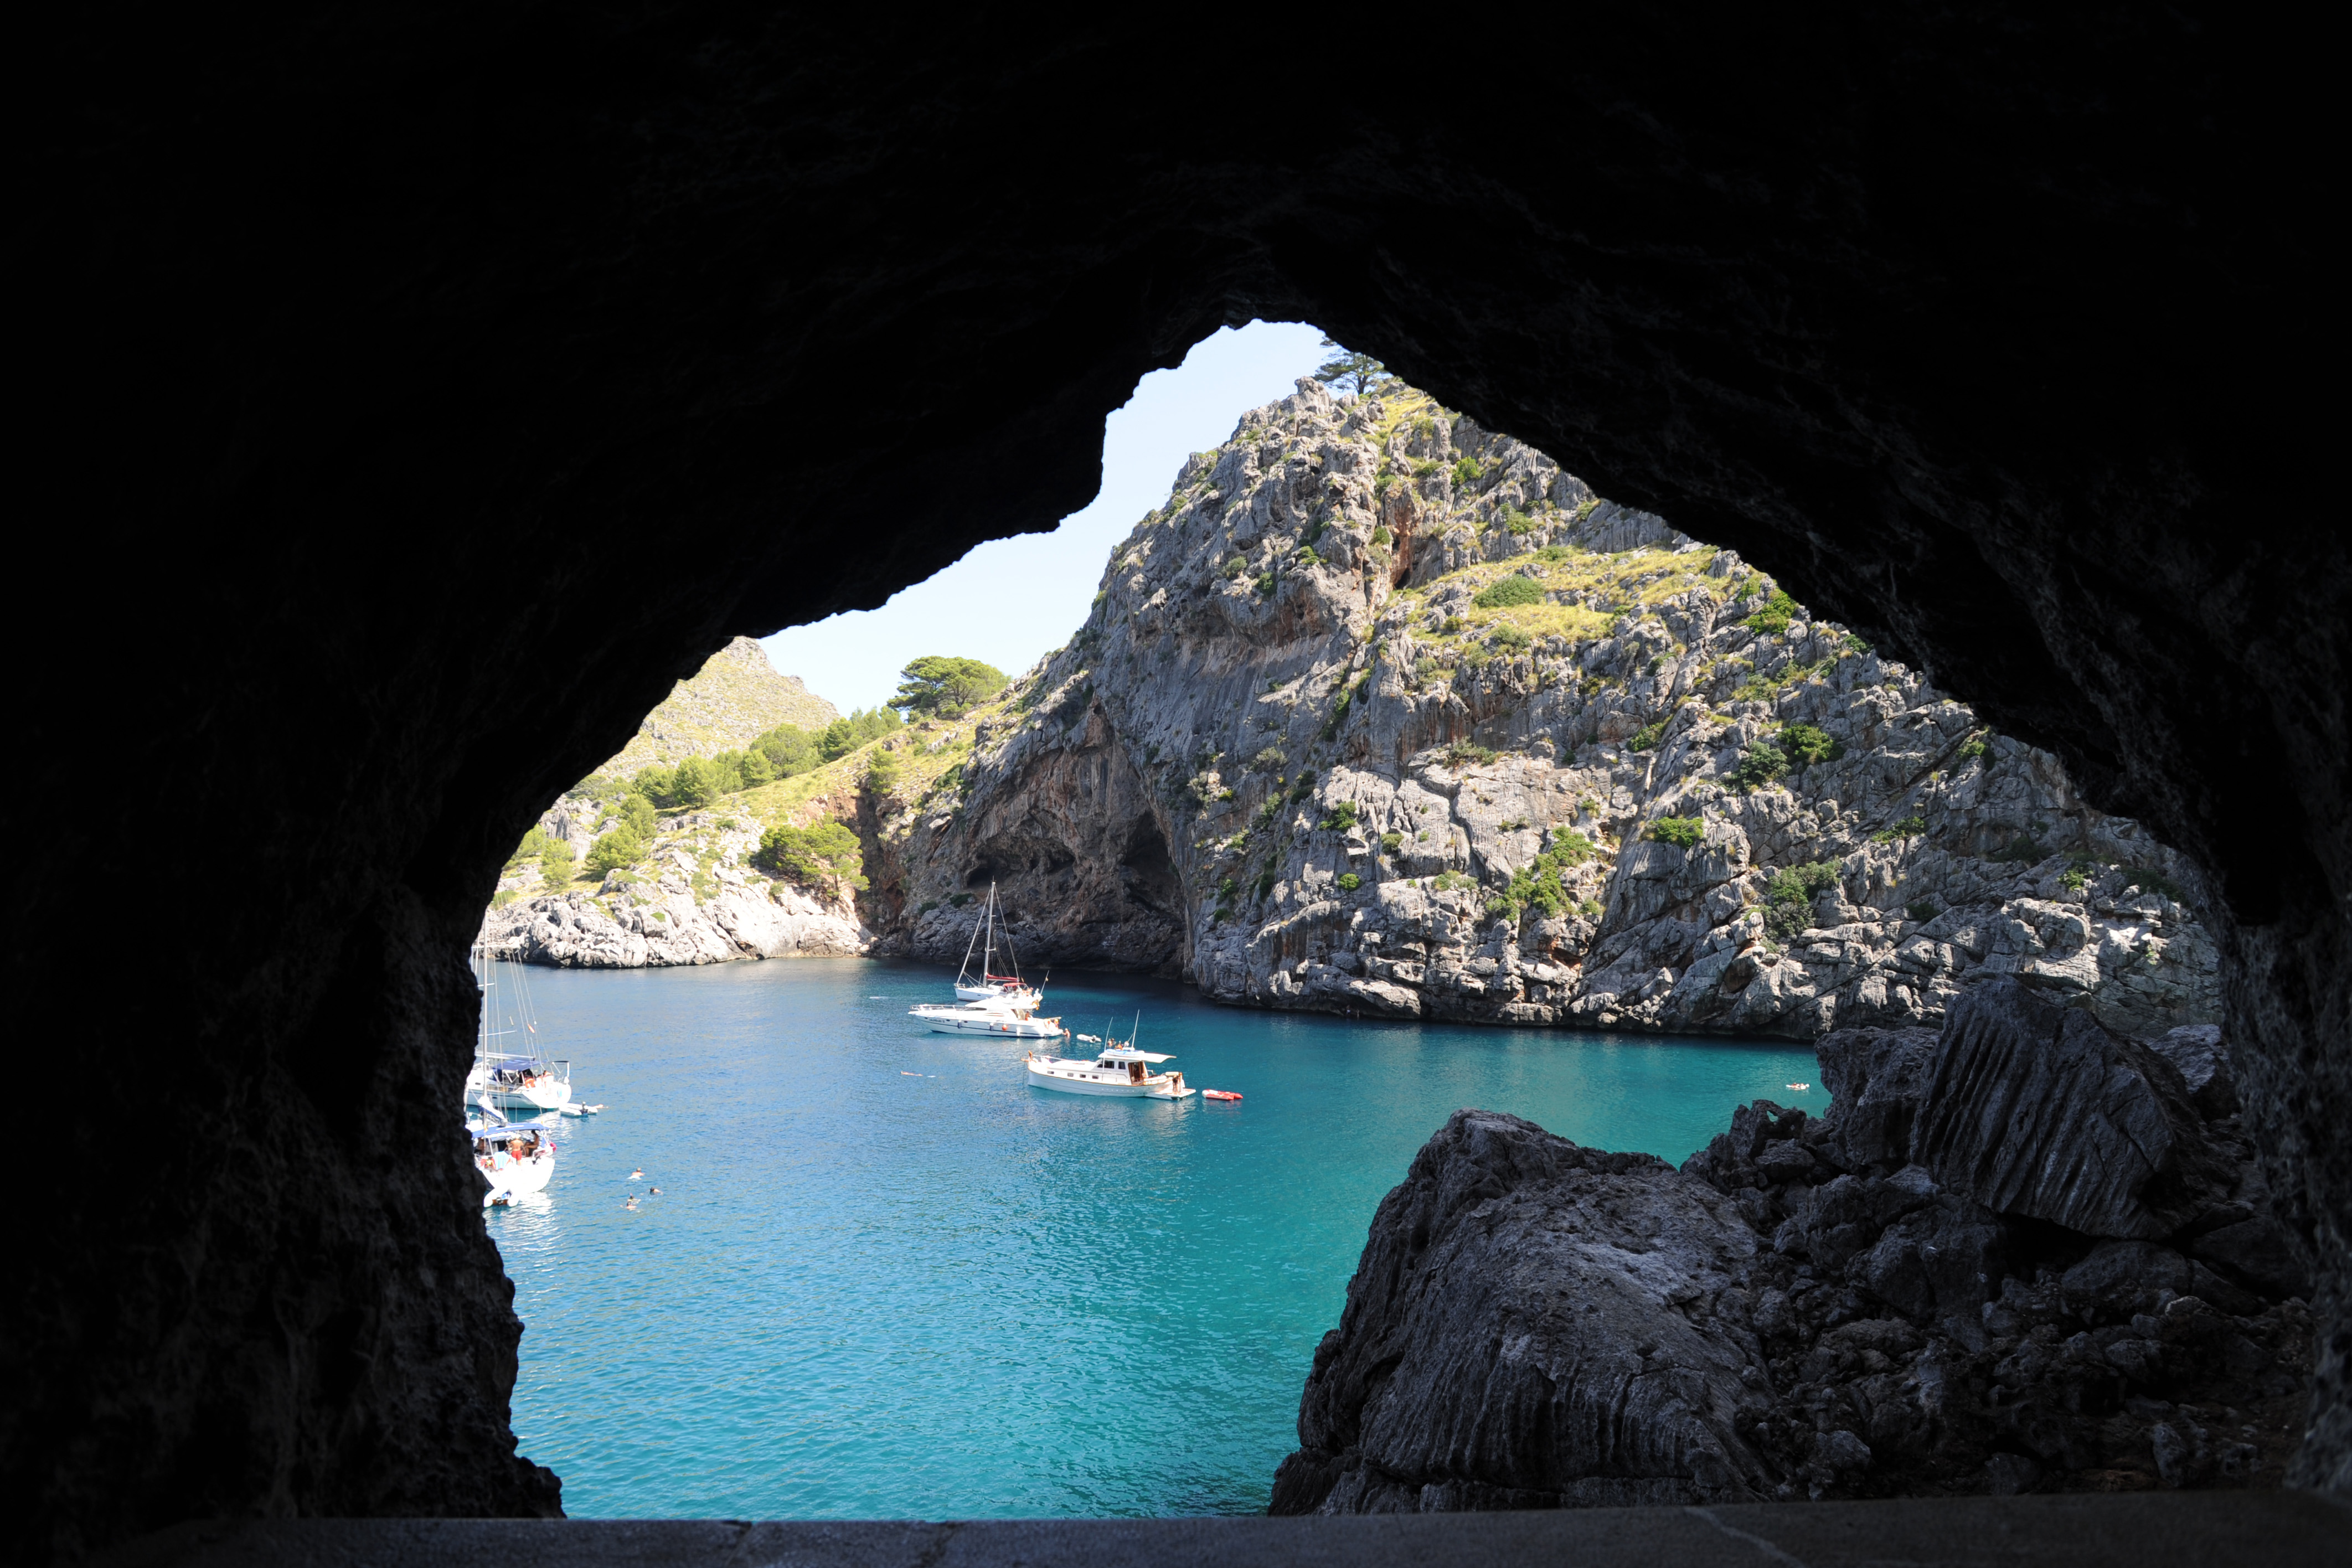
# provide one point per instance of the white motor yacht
(1003, 1018)
(1119, 1070)
(510, 1079)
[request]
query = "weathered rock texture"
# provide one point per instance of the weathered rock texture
(414, 400)
(1290, 755)
(1860, 1305)
(698, 900)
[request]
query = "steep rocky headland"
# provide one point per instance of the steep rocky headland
(1383, 711)
(2024, 1253)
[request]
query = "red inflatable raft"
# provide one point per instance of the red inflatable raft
(1219, 1094)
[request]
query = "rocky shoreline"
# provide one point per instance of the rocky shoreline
(2024, 1253)
(696, 901)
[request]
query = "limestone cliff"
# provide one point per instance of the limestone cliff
(1384, 712)
(694, 900)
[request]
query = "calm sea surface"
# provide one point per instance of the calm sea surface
(863, 1293)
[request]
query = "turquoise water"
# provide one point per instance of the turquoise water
(864, 1294)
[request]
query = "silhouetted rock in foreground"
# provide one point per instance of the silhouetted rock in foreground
(1888, 1300)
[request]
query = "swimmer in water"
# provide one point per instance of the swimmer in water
(638, 1175)
(632, 1204)
(657, 1192)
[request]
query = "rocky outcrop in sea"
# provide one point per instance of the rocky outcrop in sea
(2021, 1253)
(1384, 712)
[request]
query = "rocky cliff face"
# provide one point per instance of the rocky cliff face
(696, 898)
(1383, 711)
(1904, 1296)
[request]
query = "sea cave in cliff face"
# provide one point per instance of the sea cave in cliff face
(418, 402)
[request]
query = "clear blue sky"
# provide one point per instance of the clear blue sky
(1012, 600)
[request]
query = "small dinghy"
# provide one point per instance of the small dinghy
(1219, 1094)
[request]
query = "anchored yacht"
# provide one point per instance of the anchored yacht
(507, 1080)
(515, 1159)
(988, 986)
(1117, 1070)
(1006, 1019)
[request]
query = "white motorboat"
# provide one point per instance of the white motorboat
(1121, 1070)
(988, 986)
(514, 1159)
(1001, 1018)
(510, 1079)
(1117, 1070)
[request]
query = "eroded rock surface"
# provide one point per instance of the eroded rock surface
(1832, 1306)
(699, 899)
(1298, 754)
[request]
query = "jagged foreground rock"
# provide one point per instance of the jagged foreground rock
(1291, 756)
(1899, 1297)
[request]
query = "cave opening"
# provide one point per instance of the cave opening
(1963, 327)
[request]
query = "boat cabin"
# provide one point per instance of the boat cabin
(497, 1147)
(1127, 1063)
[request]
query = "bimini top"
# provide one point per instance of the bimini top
(1130, 1054)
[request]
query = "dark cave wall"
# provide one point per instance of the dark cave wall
(412, 397)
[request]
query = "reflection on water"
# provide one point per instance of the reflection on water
(884, 1278)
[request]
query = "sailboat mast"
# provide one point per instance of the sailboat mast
(988, 959)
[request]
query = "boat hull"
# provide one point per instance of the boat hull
(1159, 1089)
(551, 1093)
(516, 1178)
(1000, 1028)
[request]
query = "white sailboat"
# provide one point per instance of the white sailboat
(988, 986)
(509, 1079)
(990, 1004)
(1118, 1069)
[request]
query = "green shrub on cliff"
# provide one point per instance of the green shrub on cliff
(1348, 881)
(623, 847)
(1761, 763)
(1683, 832)
(844, 736)
(1504, 592)
(827, 853)
(1789, 898)
(789, 750)
(1539, 887)
(1807, 745)
(1773, 618)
